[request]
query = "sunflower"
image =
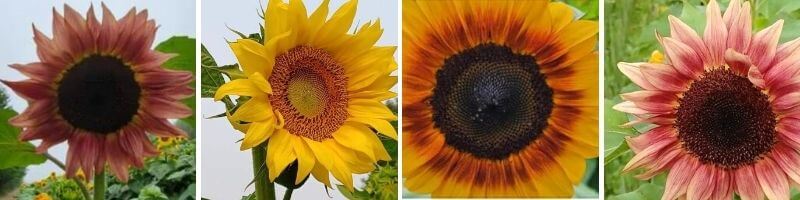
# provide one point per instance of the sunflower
(499, 98)
(315, 91)
(99, 86)
(724, 109)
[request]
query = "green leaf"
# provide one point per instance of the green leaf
(184, 47)
(15, 153)
(694, 16)
(645, 191)
(189, 192)
(614, 134)
(152, 192)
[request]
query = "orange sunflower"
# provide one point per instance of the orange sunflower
(499, 98)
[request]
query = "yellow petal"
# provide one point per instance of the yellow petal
(375, 95)
(257, 133)
(275, 22)
(336, 28)
(363, 108)
(573, 164)
(321, 174)
(353, 136)
(383, 126)
(358, 162)
(241, 87)
(340, 171)
(299, 20)
(260, 82)
(250, 55)
(321, 152)
(317, 18)
(305, 159)
(255, 109)
(279, 153)
(561, 15)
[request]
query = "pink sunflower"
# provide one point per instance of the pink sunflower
(101, 88)
(725, 110)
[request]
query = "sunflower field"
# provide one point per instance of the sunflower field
(630, 36)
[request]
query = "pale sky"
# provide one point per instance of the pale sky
(174, 17)
(226, 170)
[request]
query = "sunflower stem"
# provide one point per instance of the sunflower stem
(265, 190)
(78, 181)
(100, 185)
(288, 194)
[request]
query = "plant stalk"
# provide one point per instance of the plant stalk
(288, 194)
(265, 190)
(100, 185)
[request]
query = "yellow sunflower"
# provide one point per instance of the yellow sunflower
(499, 98)
(316, 91)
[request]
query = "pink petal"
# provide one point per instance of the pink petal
(686, 35)
(35, 114)
(662, 119)
(160, 127)
(664, 77)
(737, 18)
(772, 179)
(703, 182)
(108, 35)
(40, 72)
(782, 71)
(648, 155)
(747, 183)
(165, 108)
(632, 71)
(788, 160)
(654, 101)
(679, 177)
(164, 79)
(785, 102)
(77, 26)
(30, 90)
(630, 107)
(787, 49)
(755, 77)
(716, 34)
(764, 45)
(683, 58)
(737, 62)
(725, 185)
(665, 161)
(649, 138)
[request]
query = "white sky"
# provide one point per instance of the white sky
(174, 17)
(226, 170)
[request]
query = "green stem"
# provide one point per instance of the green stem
(265, 190)
(78, 181)
(100, 185)
(288, 194)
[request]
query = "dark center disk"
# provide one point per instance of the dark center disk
(99, 94)
(490, 102)
(726, 121)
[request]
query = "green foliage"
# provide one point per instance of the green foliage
(15, 153)
(10, 179)
(171, 175)
(56, 187)
(184, 49)
(591, 8)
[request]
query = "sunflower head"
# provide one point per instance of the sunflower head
(315, 92)
(723, 106)
(499, 98)
(99, 86)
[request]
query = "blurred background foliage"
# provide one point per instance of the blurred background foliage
(630, 27)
